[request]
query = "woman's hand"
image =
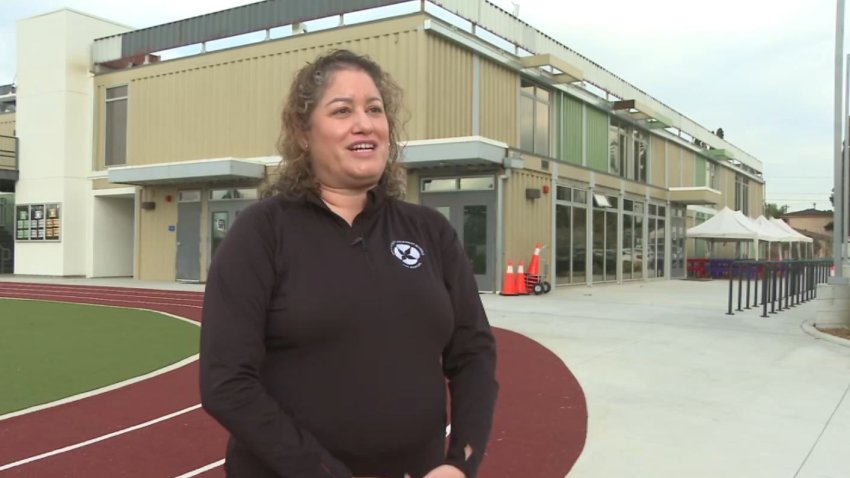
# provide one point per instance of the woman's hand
(445, 471)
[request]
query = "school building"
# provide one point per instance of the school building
(130, 152)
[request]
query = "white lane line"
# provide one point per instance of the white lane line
(102, 289)
(194, 297)
(101, 390)
(59, 297)
(99, 439)
(202, 469)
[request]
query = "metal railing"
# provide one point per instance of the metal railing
(777, 285)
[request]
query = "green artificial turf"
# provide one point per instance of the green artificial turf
(51, 350)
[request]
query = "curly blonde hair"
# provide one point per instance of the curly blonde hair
(295, 176)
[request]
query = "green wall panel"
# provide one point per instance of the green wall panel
(699, 171)
(597, 139)
(568, 112)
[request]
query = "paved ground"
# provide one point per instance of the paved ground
(676, 388)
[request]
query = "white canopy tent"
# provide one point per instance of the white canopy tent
(727, 225)
(780, 224)
(776, 234)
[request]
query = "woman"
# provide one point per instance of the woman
(335, 313)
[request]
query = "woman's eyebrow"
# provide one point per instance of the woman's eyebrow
(350, 100)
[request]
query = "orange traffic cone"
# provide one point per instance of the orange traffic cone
(521, 287)
(509, 282)
(534, 265)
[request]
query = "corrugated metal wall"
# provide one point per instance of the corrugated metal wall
(597, 139)
(412, 191)
(526, 221)
(656, 154)
(7, 124)
(570, 129)
(449, 90)
(700, 172)
(726, 183)
(756, 199)
(228, 103)
(674, 165)
(498, 105)
(688, 167)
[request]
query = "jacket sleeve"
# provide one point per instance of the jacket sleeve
(239, 287)
(469, 361)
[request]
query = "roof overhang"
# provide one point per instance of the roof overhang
(559, 70)
(9, 174)
(465, 151)
(639, 111)
(723, 155)
(695, 195)
(210, 170)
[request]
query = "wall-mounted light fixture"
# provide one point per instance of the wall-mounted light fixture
(148, 205)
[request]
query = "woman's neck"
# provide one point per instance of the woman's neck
(346, 203)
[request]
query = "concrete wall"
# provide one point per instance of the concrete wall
(112, 236)
(53, 122)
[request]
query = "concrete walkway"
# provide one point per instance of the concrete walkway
(676, 388)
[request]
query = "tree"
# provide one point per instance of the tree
(774, 210)
(829, 225)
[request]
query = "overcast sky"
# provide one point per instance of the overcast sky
(761, 70)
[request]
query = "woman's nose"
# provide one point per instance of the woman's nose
(362, 122)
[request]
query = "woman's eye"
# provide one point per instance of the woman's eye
(342, 111)
(376, 110)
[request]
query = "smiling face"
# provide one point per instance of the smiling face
(348, 135)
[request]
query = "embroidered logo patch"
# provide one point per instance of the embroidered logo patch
(408, 253)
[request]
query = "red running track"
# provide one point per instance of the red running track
(539, 428)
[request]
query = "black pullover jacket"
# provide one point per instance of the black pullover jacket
(326, 348)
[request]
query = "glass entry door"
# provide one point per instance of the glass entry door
(222, 215)
(472, 214)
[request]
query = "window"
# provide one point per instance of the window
(713, 182)
(239, 193)
(115, 152)
(742, 194)
(617, 147)
(533, 119)
(467, 183)
(628, 151)
(641, 148)
(601, 200)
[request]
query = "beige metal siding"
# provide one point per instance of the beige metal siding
(228, 103)
(106, 184)
(726, 183)
(756, 199)
(608, 181)
(412, 191)
(688, 167)
(527, 221)
(7, 124)
(498, 103)
(449, 90)
(573, 172)
(656, 155)
(674, 165)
